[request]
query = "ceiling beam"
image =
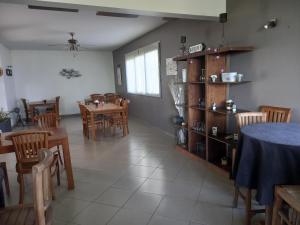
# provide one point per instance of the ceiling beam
(190, 9)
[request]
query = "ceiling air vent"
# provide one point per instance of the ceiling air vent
(112, 14)
(52, 8)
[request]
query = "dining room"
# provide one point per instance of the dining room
(149, 113)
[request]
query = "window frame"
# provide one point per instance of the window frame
(136, 52)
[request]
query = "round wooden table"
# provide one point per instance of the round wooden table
(268, 155)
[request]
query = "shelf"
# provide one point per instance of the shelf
(227, 112)
(229, 83)
(223, 139)
(180, 126)
(197, 107)
(214, 51)
(206, 92)
(196, 82)
(181, 105)
(198, 132)
(180, 82)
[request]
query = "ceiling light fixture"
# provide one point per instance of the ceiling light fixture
(271, 24)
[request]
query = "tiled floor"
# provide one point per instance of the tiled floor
(136, 180)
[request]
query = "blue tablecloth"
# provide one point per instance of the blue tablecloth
(2, 200)
(267, 155)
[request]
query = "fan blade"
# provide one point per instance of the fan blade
(112, 14)
(58, 45)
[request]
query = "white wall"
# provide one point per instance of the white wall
(37, 76)
(7, 86)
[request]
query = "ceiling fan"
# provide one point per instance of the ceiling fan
(72, 44)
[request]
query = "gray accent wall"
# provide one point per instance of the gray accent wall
(274, 67)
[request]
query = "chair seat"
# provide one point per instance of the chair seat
(24, 215)
(25, 168)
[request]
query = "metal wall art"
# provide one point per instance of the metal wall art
(70, 73)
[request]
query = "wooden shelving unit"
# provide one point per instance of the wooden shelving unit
(212, 62)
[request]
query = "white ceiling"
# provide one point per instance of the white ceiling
(23, 28)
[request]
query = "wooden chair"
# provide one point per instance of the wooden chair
(244, 119)
(124, 104)
(286, 208)
(49, 120)
(277, 114)
(6, 181)
(46, 120)
(120, 120)
(28, 113)
(98, 97)
(110, 97)
(118, 101)
(85, 117)
(27, 145)
(40, 213)
(55, 109)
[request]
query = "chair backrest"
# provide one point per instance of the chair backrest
(277, 114)
(24, 101)
(28, 143)
(47, 120)
(118, 101)
(57, 98)
(110, 97)
(98, 97)
(124, 103)
(248, 118)
(286, 208)
(42, 194)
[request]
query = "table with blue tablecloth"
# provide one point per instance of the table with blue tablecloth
(268, 154)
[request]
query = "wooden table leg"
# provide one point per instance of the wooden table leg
(123, 125)
(68, 163)
(269, 212)
(93, 126)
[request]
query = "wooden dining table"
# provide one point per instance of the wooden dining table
(58, 136)
(103, 109)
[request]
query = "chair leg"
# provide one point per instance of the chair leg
(6, 181)
(52, 189)
(58, 174)
(59, 156)
(277, 206)
(22, 188)
(236, 197)
(248, 207)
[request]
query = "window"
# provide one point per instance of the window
(142, 71)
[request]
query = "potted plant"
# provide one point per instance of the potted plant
(5, 125)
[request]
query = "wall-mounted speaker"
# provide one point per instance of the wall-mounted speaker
(223, 18)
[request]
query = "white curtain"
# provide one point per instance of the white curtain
(142, 71)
